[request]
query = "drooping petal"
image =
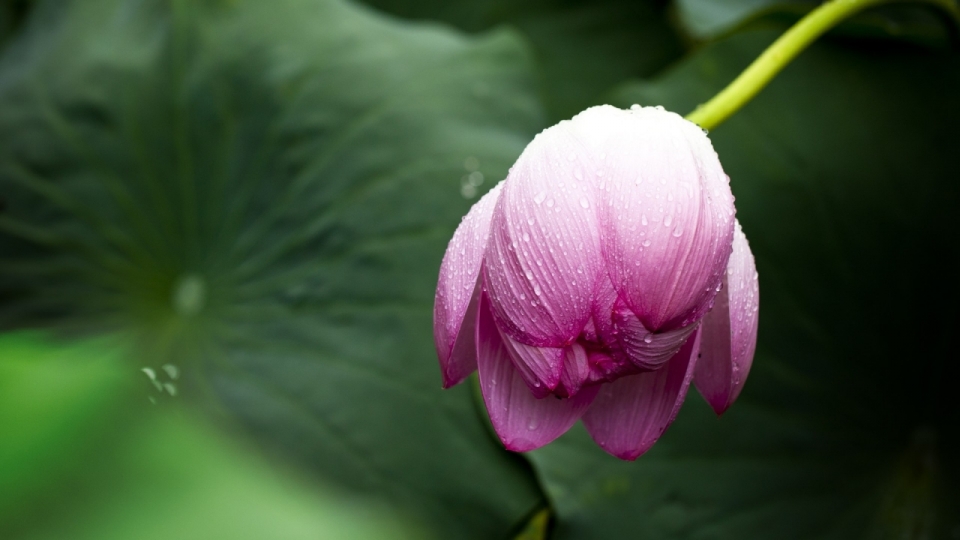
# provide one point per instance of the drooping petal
(647, 350)
(730, 330)
(608, 366)
(576, 370)
(630, 414)
(604, 300)
(544, 249)
(666, 214)
(539, 367)
(458, 291)
(522, 421)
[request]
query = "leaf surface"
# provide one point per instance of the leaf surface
(260, 193)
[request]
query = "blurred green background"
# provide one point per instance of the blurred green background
(221, 223)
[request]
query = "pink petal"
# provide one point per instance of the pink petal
(539, 367)
(647, 350)
(666, 214)
(576, 370)
(458, 291)
(631, 413)
(544, 250)
(608, 366)
(604, 300)
(730, 330)
(522, 421)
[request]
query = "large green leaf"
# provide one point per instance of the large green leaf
(709, 19)
(582, 47)
(260, 193)
(84, 456)
(845, 174)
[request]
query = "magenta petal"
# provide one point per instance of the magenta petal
(544, 251)
(458, 290)
(631, 413)
(576, 370)
(666, 215)
(647, 350)
(540, 367)
(604, 300)
(730, 330)
(522, 421)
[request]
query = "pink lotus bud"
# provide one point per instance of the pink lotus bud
(580, 286)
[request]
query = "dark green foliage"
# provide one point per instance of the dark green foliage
(261, 194)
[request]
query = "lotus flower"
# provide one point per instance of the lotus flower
(597, 281)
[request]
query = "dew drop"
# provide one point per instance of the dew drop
(584, 203)
(172, 371)
(646, 243)
(648, 338)
(540, 197)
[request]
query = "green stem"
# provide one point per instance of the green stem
(711, 114)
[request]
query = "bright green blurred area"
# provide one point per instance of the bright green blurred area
(221, 223)
(86, 456)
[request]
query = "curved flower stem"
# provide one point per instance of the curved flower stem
(711, 114)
